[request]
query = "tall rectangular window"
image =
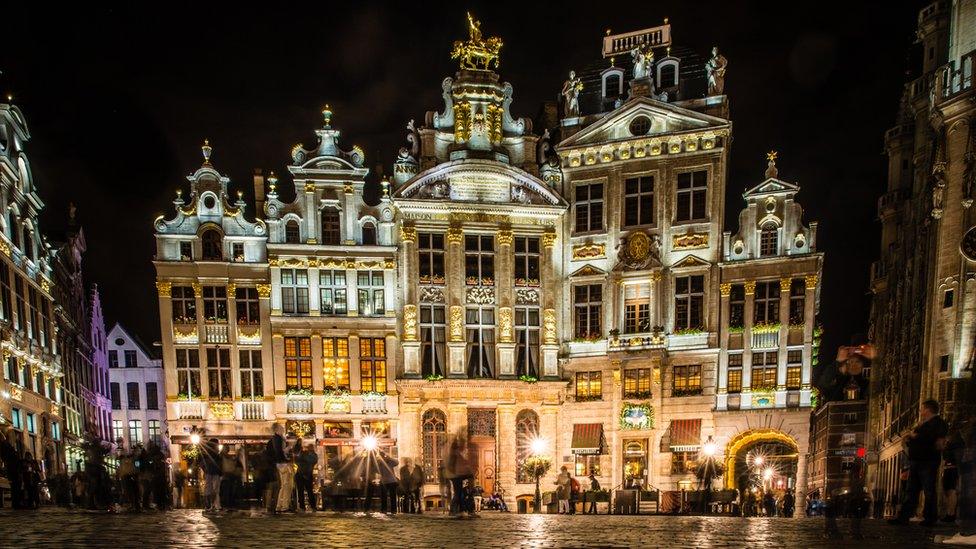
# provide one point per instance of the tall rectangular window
(372, 296)
(689, 302)
(768, 240)
(132, 394)
(691, 194)
(294, 291)
(117, 432)
(527, 341)
(135, 431)
(6, 306)
(639, 201)
(734, 384)
(764, 366)
(186, 250)
(637, 308)
(248, 306)
(152, 396)
(589, 208)
(237, 251)
(116, 396)
(13, 373)
(589, 386)
(687, 380)
(767, 302)
(184, 304)
(218, 373)
(480, 324)
(130, 359)
(332, 292)
(798, 291)
(526, 261)
(155, 436)
(433, 340)
(215, 303)
(22, 319)
(188, 373)
(113, 359)
(587, 311)
(330, 226)
(637, 383)
(794, 368)
(298, 363)
(33, 327)
(372, 364)
(737, 306)
(479, 260)
(335, 362)
(430, 249)
(252, 380)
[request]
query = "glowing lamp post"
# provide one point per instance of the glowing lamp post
(370, 443)
(708, 469)
(194, 438)
(537, 464)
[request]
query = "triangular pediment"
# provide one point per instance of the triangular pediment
(771, 186)
(588, 270)
(665, 119)
(690, 261)
(479, 181)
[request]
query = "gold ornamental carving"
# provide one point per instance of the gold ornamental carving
(264, 291)
(410, 323)
(505, 332)
(16, 392)
(750, 287)
(477, 53)
(785, 283)
(389, 264)
(589, 251)
(5, 248)
(231, 288)
(455, 235)
(638, 246)
(549, 326)
(810, 281)
(457, 323)
(310, 187)
(689, 241)
(462, 121)
(505, 237)
(725, 289)
(197, 289)
(408, 234)
(164, 289)
(222, 410)
(272, 261)
(549, 239)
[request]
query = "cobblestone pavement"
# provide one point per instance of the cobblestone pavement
(190, 528)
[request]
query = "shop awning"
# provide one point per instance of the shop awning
(588, 438)
(685, 435)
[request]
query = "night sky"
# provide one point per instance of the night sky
(119, 100)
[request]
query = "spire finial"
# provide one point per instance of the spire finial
(207, 150)
(327, 115)
(272, 181)
(771, 170)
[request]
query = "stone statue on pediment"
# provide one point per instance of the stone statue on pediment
(570, 92)
(642, 57)
(715, 70)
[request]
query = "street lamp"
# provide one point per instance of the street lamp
(369, 442)
(707, 471)
(194, 438)
(539, 466)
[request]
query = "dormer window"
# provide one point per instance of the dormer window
(612, 83)
(212, 244)
(667, 73)
(330, 226)
(292, 235)
(369, 234)
(28, 247)
(768, 240)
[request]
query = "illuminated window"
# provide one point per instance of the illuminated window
(332, 292)
(639, 201)
(372, 364)
(117, 429)
(637, 383)
(294, 291)
(691, 194)
(184, 306)
(433, 340)
(298, 363)
(252, 379)
(587, 465)
(430, 249)
(479, 260)
(135, 431)
(526, 430)
(689, 302)
(764, 366)
(687, 380)
(218, 373)
(330, 226)
(480, 327)
(589, 208)
(589, 386)
(335, 362)
(587, 311)
(434, 440)
(154, 433)
(527, 341)
(793, 378)
(637, 308)
(766, 304)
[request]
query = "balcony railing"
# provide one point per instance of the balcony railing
(633, 342)
(190, 409)
(252, 411)
(765, 340)
(955, 80)
(216, 333)
(374, 404)
(891, 201)
(299, 404)
(619, 44)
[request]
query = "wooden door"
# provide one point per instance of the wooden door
(485, 475)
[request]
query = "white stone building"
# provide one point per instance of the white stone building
(137, 391)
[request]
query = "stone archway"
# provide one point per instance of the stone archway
(747, 439)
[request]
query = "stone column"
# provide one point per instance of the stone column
(164, 289)
(355, 375)
(657, 299)
(352, 293)
(809, 323)
(801, 479)
(784, 330)
(550, 325)
(722, 381)
(457, 419)
(318, 379)
(548, 430)
(201, 338)
(454, 261)
(504, 282)
(408, 441)
(749, 312)
(275, 294)
(312, 225)
(409, 327)
(235, 360)
(314, 295)
(268, 365)
(507, 448)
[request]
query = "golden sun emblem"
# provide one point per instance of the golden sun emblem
(638, 246)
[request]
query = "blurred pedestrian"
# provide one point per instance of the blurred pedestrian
(388, 481)
(14, 466)
(211, 474)
(924, 445)
(563, 484)
(229, 470)
(594, 489)
(306, 460)
(286, 476)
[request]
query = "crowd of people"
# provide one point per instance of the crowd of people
(23, 473)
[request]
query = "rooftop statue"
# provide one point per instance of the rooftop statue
(477, 53)
(715, 69)
(643, 57)
(570, 92)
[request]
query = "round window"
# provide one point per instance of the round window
(209, 202)
(120, 342)
(640, 125)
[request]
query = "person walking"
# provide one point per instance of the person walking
(563, 486)
(13, 464)
(418, 478)
(963, 455)
(211, 475)
(229, 465)
(286, 471)
(306, 460)
(407, 487)
(179, 481)
(388, 482)
(461, 474)
(924, 445)
(32, 481)
(594, 488)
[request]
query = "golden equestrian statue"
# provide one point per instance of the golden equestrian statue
(477, 53)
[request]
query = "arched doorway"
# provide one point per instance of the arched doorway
(761, 458)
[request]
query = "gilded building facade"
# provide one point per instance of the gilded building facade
(922, 318)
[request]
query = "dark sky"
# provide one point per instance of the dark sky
(118, 101)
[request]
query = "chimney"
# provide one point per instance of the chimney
(258, 193)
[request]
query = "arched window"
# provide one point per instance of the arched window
(612, 85)
(27, 246)
(369, 234)
(292, 235)
(668, 76)
(212, 243)
(434, 440)
(526, 430)
(330, 226)
(768, 240)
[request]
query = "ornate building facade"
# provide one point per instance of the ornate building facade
(135, 387)
(921, 319)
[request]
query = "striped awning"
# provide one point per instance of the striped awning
(685, 435)
(588, 438)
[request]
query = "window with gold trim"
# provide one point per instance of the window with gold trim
(335, 362)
